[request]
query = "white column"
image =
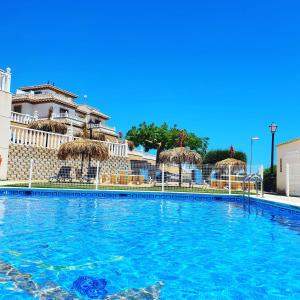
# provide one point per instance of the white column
(30, 173)
(97, 175)
(71, 131)
(163, 178)
(229, 179)
(8, 80)
(35, 115)
(262, 181)
(287, 180)
(5, 113)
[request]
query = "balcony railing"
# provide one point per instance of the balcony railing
(107, 129)
(21, 118)
(37, 138)
(74, 120)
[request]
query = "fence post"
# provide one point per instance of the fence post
(287, 180)
(262, 180)
(229, 179)
(30, 173)
(163, 178)
(97, 175)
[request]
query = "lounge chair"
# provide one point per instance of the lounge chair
(90, 176)
(62, 176)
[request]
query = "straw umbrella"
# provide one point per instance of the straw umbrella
(49, 126)
(83, 148)
(231, 162)
(180, 155)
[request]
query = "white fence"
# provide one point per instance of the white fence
(37, 138)
(21, 118)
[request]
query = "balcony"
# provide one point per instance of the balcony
(43, 139)
(107, 129)
(21, 118)
(71, 120)
(21, 95)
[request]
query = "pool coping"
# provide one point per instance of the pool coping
(136, 194)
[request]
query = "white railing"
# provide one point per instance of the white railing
(21, 118)
(37, 138)
(65, 117)
(108, 129)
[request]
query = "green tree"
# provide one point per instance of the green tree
(270, 180)
(213, 156)
(164, 137)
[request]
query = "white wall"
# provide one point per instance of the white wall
(43, 109)
(5, 108)
(288, 153)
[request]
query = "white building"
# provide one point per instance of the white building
(35, 102)
(5, 107)
(288, 167)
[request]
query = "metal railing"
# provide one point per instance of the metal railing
(127, 175)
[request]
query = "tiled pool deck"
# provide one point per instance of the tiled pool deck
(294, 201)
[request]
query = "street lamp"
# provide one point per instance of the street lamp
(273, 128)
(90, 126)
(254, 138)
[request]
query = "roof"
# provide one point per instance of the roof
(42, 99)
(48, 87)
(92, 110)
(288, 142)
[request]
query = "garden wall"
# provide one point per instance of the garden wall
(47, 164)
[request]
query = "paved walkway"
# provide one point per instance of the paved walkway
(282, 199)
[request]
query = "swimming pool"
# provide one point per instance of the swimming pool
(185, 247)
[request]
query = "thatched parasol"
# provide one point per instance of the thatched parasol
(83, 148)
(180, 155)
(49, 126)
(231, 162)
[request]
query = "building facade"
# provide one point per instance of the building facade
(48, 101)
(288, 168)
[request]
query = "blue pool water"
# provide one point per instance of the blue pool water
(200, 248)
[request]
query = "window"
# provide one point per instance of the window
(18, 108)
(280, 165)
(63, 110)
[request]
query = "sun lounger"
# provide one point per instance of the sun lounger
(62, 176)
(90, 176)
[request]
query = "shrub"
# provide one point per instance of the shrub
(270, 180)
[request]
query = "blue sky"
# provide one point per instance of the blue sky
(223, 69)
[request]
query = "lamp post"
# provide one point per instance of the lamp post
(255, 138)
(273, 128)
(91, 125)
